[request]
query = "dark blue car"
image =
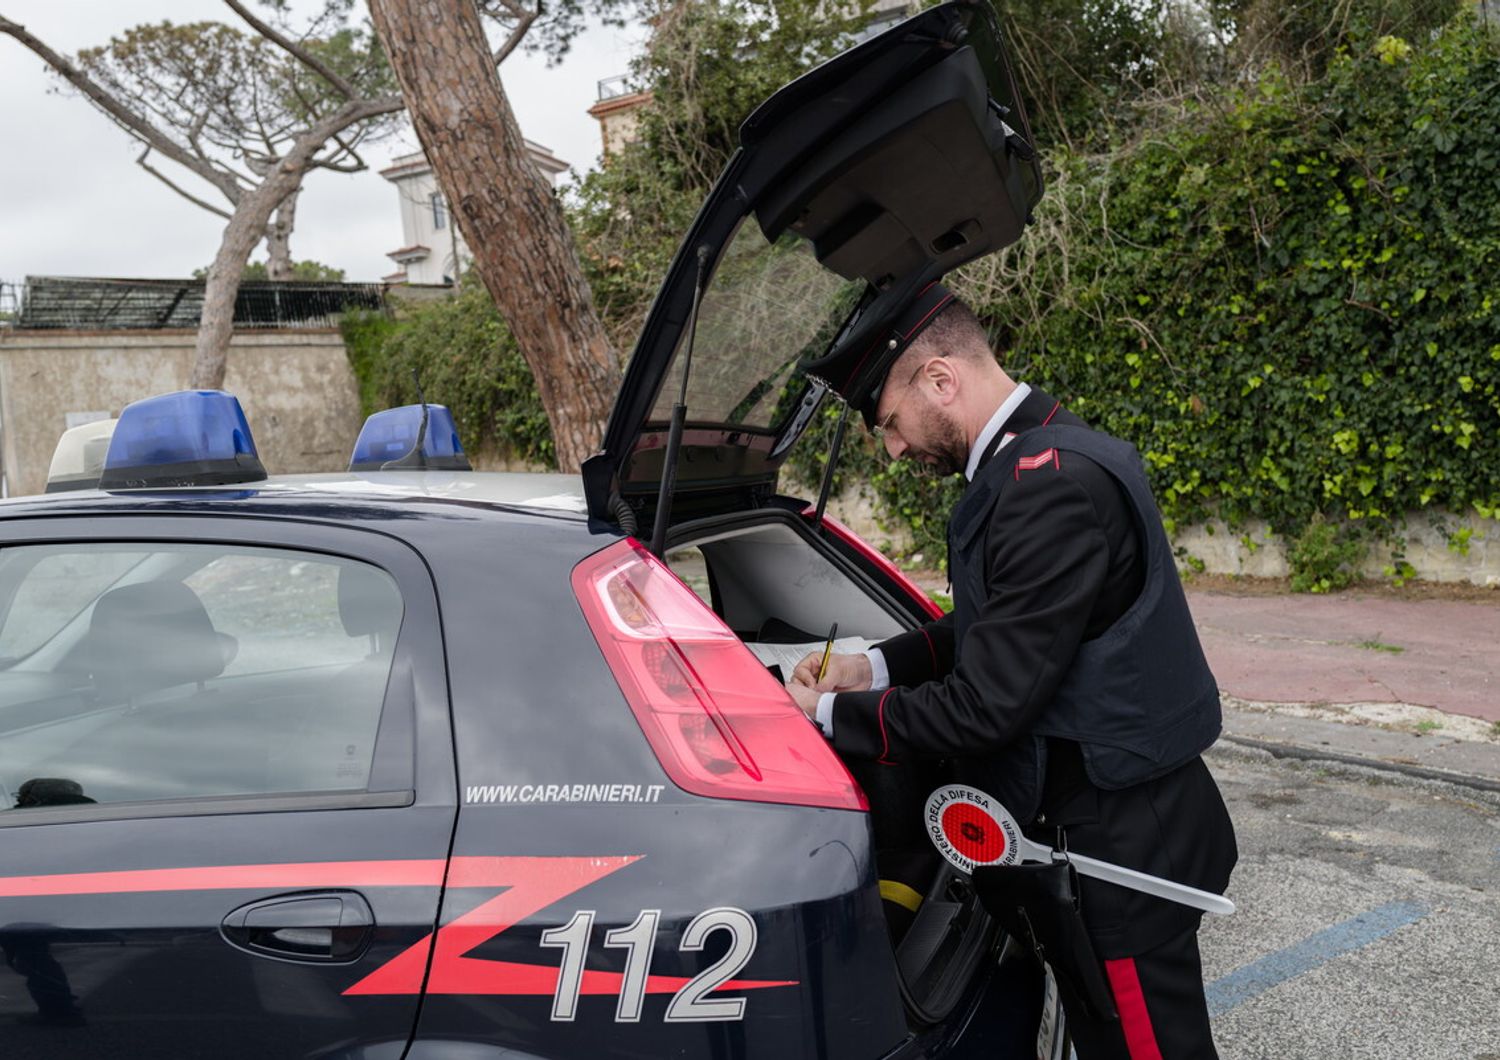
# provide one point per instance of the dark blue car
(421, 762)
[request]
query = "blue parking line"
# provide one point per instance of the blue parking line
(1256, 978)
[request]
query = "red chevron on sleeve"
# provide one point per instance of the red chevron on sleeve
(1043, 459)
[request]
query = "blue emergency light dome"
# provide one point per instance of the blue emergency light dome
(190, 438)
(388, 441)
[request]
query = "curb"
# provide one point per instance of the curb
(1307, 754)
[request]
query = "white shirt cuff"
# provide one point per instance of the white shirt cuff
(880, 680)
(825, 713)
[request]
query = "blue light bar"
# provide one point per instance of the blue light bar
(388, 441)
(190, 438)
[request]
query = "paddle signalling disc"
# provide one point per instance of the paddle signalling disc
(970, 828)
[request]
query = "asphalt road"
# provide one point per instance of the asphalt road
(1369, 917)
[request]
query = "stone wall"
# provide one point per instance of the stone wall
(1253, 550)
(295, 386)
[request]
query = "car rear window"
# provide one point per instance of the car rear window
(767, 307)
(133, 672)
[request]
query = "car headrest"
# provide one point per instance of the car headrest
(369, 601)
(151, 636)
(50, 791)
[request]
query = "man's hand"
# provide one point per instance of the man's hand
(846, 673)
(806, 698)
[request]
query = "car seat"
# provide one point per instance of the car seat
(369, 606)
(331, 729)
(152, 636)
(145, 643)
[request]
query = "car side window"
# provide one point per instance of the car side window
(196, 671)
(282, 610)
(54, 589)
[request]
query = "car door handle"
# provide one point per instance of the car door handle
(319, 926)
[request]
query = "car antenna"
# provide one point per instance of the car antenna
(833, 462)
(415, 459)
(679, 415)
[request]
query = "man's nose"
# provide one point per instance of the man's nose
(894, 446)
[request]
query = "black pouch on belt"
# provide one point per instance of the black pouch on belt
(1040, 903)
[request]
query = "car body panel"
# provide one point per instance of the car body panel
(561, 811)
(113, 913)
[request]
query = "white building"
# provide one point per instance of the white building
(432, 251)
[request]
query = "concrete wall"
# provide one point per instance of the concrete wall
(1252, 550)
(295, 386)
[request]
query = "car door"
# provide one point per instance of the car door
(226, 786)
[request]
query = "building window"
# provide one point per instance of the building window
(439, 211)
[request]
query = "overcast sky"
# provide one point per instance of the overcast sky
(74, 203)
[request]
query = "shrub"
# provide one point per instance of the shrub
(465, 358)
(1324, 558)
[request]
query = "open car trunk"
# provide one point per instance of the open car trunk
(780, 584)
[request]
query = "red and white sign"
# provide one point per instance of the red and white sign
(970, 828)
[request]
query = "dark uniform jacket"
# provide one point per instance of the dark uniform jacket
(1063, 561)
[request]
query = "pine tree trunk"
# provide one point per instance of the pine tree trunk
(511, 221)
(245, 230)
(279, 239)
(247, 227)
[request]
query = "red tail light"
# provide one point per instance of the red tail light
(718, 721)
(885, 566)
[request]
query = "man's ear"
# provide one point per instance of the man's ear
(942, 373)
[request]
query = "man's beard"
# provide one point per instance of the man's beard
(946, 452)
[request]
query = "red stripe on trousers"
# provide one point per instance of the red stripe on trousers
(1130, 999)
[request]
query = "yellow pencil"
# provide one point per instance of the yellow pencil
(827, 652)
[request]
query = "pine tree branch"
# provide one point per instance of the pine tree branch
(159, 175)
(117, 112)
(295, 50)
(524, 18)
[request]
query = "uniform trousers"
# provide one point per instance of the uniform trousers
(1163, 1012)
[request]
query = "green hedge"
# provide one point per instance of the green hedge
(465, 357)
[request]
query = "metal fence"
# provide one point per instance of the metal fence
(96, 303)
(614, 87)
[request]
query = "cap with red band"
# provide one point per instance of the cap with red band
(857, 370)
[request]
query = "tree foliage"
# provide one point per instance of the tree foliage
(464, 357)
(249, 114)
(1278, 281)
(308, 271)
(235, 101)
(707, 65)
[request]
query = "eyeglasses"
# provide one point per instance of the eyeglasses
(885, 424)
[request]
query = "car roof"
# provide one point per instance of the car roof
(540, 493)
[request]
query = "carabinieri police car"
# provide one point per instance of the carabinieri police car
(419, 762)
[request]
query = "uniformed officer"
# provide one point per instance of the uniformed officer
(1068, 681)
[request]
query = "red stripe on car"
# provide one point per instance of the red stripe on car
(413, 873)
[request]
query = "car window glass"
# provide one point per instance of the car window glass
(689, 565)
(283, 611)
(53, 590)
(199, 671)
(767, 306)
